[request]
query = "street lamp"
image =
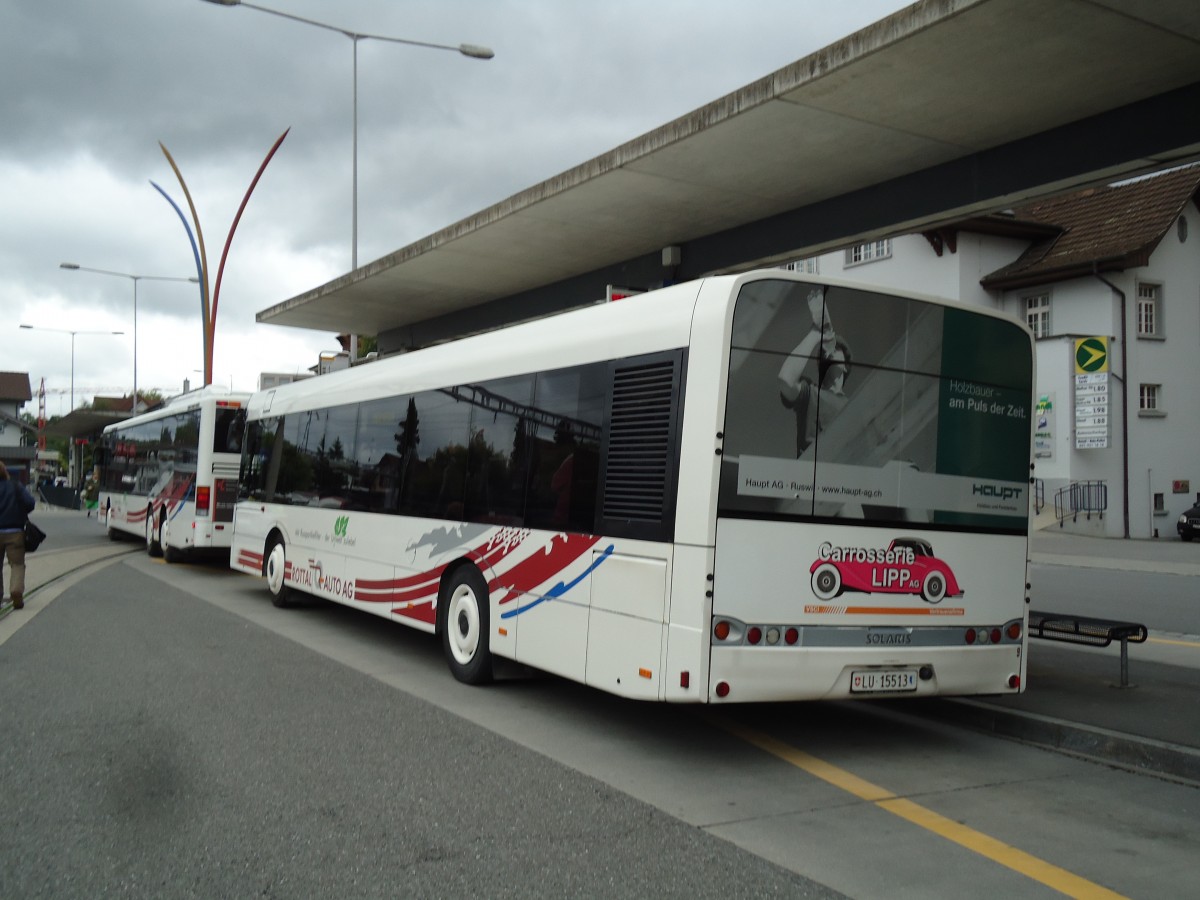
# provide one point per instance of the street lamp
(75, 267)
(473, 51)
(72, 334)
(466, 49)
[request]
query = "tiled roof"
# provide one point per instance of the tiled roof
(1102, 229)
(15, 386)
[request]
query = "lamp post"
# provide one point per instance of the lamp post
(73, 448)
(466, 49)
(473, 51)
(75, 267)
(72, 334)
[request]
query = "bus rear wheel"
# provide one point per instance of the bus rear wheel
(274, 570)
(463, 621)
(153, 543)
(171, 553)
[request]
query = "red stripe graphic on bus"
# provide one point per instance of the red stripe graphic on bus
(250, 558)
(415, 594)
(173, 495)
(522, 578)
(424, 585)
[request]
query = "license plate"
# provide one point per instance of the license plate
(873, 681)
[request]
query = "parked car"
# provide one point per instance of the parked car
(1188, 525)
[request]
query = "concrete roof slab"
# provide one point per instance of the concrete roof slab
(943, 86)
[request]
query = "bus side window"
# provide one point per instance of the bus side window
(565, 457)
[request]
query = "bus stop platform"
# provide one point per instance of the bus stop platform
(1073, 699)
(1072, 702)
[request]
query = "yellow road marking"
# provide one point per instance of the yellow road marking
(1008, 856)
(1155, 640)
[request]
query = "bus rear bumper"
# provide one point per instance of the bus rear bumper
(757, 674)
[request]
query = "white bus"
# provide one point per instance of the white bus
(169, 476)
(744, 488)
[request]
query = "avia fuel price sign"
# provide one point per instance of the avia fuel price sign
(1091, 393)
(1091, 355)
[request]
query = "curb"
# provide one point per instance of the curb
(1139, 754)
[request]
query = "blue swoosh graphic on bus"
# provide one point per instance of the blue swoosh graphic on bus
(189, 497)
(559, 589)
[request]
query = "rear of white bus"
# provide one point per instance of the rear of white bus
(223, 424)
(871, 523)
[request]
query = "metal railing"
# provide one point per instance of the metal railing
(1085, 497)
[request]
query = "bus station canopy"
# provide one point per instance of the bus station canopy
(942, 110)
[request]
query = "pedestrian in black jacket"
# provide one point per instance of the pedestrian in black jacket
(16, 503)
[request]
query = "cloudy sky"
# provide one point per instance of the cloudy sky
(90, 88)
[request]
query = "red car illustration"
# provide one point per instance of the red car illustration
(908, 566)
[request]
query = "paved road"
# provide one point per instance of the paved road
(160, 746)
(176, 735)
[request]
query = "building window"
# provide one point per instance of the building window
(1160, 503)
(872, 250)
(806, 266)
(1150, 399)
(1037, 315)
(1148, 318)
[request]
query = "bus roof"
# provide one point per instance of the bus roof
(644, 323)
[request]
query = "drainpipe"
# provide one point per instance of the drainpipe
(1124, 400)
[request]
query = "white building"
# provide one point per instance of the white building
(1115, 264)
(18, 446)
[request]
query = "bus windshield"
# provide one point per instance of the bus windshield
(845, 404)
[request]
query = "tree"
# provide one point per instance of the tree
(367, 344)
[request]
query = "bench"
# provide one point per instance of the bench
(1088, 631)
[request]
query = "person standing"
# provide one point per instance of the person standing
(16, 503)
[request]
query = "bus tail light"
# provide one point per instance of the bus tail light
(753, 634)
(722, 689)
(1014, 631)
(721, 630)
(791, 635)
(1014, 681)
(203, 498)
(969, 637)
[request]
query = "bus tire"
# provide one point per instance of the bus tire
(933, 588)
(827, 581)
(171, 553)
(275, 570)
(153, 544)
(464, 615)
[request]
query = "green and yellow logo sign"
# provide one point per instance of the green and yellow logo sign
(1091, 355)
(340, 526)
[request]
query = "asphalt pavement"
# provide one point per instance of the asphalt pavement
(1073, 701)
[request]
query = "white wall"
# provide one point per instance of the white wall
(1166, 449)
(1163, 449)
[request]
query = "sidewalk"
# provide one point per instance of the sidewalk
(1073, 700)
(1167, 555)
(52, 562)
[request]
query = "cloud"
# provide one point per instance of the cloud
(93, 87)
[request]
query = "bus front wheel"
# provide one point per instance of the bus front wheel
(274, 569)
(463, 620)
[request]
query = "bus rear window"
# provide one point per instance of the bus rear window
(851, 404)
(229, 430)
